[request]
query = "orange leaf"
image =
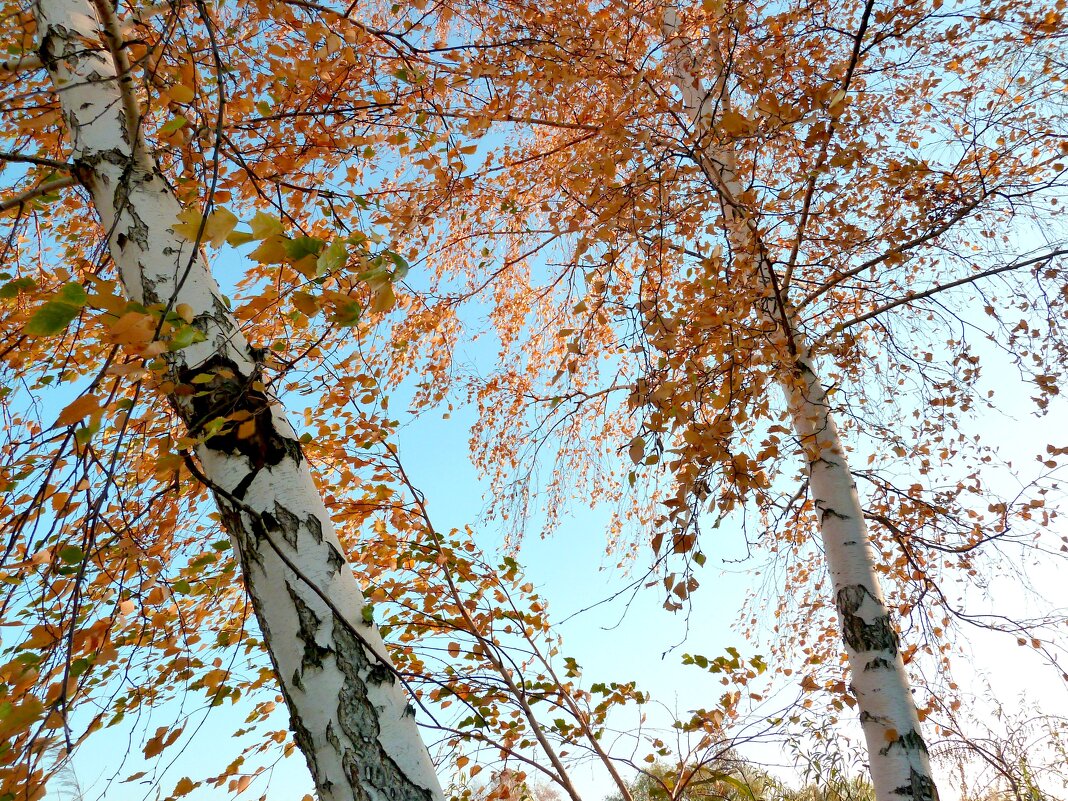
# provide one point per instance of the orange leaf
(79, 409)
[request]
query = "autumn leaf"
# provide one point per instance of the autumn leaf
(181, 94)
(17, 717)
(733, 123)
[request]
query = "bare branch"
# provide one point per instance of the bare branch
(914, 296)
(40, 161)
(23, 198)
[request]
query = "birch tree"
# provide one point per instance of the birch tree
(348, 711)
(740, 195)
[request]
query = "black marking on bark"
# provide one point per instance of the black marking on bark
(247, 549)
(849, 542)
(296, 680)
(227, 392)
(315, 528)
(828, 512)
(858, 634)
(284, 522)
(331, 735)
(919, 788)
(334, 559)
(908, 742)
(309, 624)
(300, 734)
(367, 764)
(879, 664)
(380, 674)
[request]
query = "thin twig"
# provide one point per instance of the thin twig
(914, 296)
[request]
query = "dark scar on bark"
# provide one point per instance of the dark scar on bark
(226, 392)
(860, 635)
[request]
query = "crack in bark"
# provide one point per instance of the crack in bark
(308, 625)
(860, 635)
(370, 766)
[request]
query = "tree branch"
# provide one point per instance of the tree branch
(23, 198)
(18, 158)
(113, 37)
(914, 296)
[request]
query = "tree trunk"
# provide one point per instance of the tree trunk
(897, 755)
(349, 714)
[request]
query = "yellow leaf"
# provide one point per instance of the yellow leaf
(220, 223)
(19, 717)
(271, 250)
(237, 238)
(180, 93)
(384, 300)
(185, 311)
(80, 408)
(454, 651)
(734, 123)
(264, 226)
(188, 224)
(306, 303)
(133, 328)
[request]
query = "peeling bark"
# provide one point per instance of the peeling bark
(898, 758)
(349, 715)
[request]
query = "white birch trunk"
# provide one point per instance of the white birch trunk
(349, 714)
(897, 755)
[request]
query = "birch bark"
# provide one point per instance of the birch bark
(897, 754)
(349, 714)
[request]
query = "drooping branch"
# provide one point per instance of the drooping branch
(912, 297)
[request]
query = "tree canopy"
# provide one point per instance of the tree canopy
(741, 266)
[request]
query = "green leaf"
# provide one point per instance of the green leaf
(51, 318)
(72, 294)
(184, 337)
(181, 587)
(12, 288)
(401, 266)
(297, 249)
(71, 554)
(174, 124)
(346, 313)
(333, 258)
(368, 614)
